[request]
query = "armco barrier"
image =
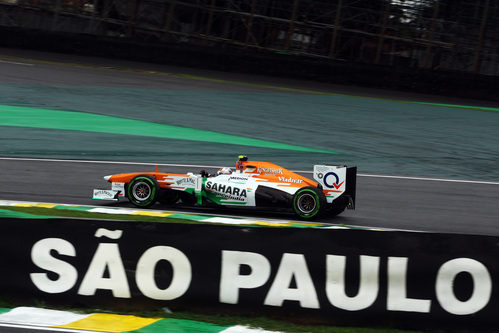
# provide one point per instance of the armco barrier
(327, 275)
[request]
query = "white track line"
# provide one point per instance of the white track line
(218, 166)
(47, 328)
(16, 63)
(431, 179)
(107, 162)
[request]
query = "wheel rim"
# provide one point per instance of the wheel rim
(141, 191)
(306, 203)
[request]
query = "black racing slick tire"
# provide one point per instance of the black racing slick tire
(309, 202)
(142, 191)
(338, 206)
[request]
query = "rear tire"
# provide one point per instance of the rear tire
(142, 191)
(337, 206)
(308, 202)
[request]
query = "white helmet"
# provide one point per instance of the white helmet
(224, 171)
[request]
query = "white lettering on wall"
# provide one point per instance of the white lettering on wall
(41, 257)
(482, 286)
(293, 266)
(107, 257)
(368, 286)
(397, 299)
(231, 280)
(181, 278)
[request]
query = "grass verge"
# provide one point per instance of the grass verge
(56, 212)
(261, 322)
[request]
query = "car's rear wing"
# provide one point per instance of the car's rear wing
(336, 182)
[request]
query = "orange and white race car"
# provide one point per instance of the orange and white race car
(249, 184)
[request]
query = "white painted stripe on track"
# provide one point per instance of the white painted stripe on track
(220, 219)
(108, 162)
(51, 329)
(432, 179)
(245, 329)
(219, 166)
(15, 63)
(40, 317)
(112, 211)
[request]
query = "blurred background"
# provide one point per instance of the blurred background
(430, 42)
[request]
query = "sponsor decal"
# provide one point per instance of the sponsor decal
(269, 170)
(118, 187)
(290, 180)
(186, 181)
(104, 193)
(330, 176)
(227, 191)
(238, 178)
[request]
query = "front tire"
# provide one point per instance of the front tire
(142, 191)
(308, 202)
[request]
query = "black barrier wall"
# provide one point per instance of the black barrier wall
(334, 275)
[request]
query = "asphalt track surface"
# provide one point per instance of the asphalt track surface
(384, 202)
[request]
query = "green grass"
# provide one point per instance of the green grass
(56, 212)
(268, 323)
(254, 321)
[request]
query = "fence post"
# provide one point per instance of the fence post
(335, 30)
(131, 17)
(291, 25)
(382, 33)
(430, 36)
(56, 14)
(476, 61)
(250, 23)
(169, 18)
(210, 18)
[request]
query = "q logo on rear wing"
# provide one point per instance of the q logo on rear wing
(327, 180)
(330, 177)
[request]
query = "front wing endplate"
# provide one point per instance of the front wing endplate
(111, 195)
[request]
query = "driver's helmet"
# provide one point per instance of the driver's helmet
(224, 171)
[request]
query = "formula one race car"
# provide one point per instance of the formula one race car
(249, 184)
